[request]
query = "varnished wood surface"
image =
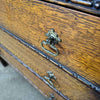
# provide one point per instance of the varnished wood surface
(69, 86)
(80, 32)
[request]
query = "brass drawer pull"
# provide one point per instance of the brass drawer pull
(52, 97)
(49, 77)
(51, 41)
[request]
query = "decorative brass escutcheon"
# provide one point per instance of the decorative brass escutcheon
(51, 41)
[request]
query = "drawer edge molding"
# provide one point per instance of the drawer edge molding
(36, 74)
(59, 65)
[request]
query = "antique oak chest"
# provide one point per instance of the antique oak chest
(54, 44)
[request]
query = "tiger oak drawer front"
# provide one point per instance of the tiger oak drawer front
(65, 86)
(80, 33)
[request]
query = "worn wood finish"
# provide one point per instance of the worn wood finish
(66, 84)
(80, 32)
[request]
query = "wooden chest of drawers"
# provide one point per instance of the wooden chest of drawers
(75, 70)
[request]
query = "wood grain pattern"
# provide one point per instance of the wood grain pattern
(29, 76)
(80, 32)
(66, 84)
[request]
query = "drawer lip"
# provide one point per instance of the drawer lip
(64, 68)
(36, 74)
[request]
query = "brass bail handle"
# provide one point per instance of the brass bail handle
(49, 77)
(51, 41)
